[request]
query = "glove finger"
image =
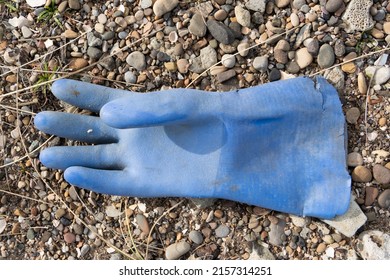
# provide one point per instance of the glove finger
(77, 127)
(85, 95)
(160, 108)
(113, 182)
(99, 156)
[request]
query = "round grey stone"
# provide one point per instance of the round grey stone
(326, 56)
(130, 77)
(352, 115)
(228, 60)
(333, 5)
(384, 199)
(260, 63)
(176, 250)
(354, 159)
(137, 60)
(94, 53)
(222, 231)
(196, 237)
(381, 174)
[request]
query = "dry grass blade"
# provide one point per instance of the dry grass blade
(23, 196)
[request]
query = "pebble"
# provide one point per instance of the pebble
(313, 46)
(362, 83)
(260, 63)
(243, 16)
(350, 222)
(228, 60)
(146, 4)
(374, 245)
(220, 32)
(333, 5)
(386, 27)
(78, 229)
(256, 5)
(99, 28)
(196, 237)
(176, 250)
(276, 232)
(298, 4)
(354, 159)
(282, 3)
(299, 221)
(303, 58)
(161, 7)
(70, 34)
(326, 56)
(62, 6)
(294, 19)
(361, 174)
(26, 32)
(382, 75)
(352, 115)
(384, 199)
(137, 60)
(274, 75)
(19, 21)
(30, 234)
(222, 231)
(94, 53)
(60, 213)
(381, 174)
(321, 248)
(74, 4)
(102, 18)
(182, 65)
(73, 193)
(371, 195)
(208, 57)
(197, 25)
(259, 252)
(130, 77)
(84, 250)
(3, 225)
(377, 34)
(142, 223)
(220, 15)
(69, 237)
(339, 48)
(242, 48)
(225, 75)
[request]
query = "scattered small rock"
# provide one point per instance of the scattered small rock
(161, 7)
(142, 223)
(361, 174)
(326, 56)
(256, 5)
(69, 237)
(260, 63)
(176, 250)
(74, 4)
(303, 58)
(243, 16)
(274, 75)
(196, 237)
(374, 245)
(381, 174)
(220, 32)
(197, 25)
(276, 232)
(222, 231)
(137, 60)
(354, 159)
(371, 195)
(384, 199)
(352, 115)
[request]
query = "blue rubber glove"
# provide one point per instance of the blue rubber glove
(280, 145)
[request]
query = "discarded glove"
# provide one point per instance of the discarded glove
(280, 145)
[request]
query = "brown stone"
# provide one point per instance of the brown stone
(349, 67)
(371, 195)
(321, 248)
(381, 174)
(384, 199)
(361, 174)
(78, 63)
(69, 237)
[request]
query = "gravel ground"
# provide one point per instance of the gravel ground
(151, 45)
